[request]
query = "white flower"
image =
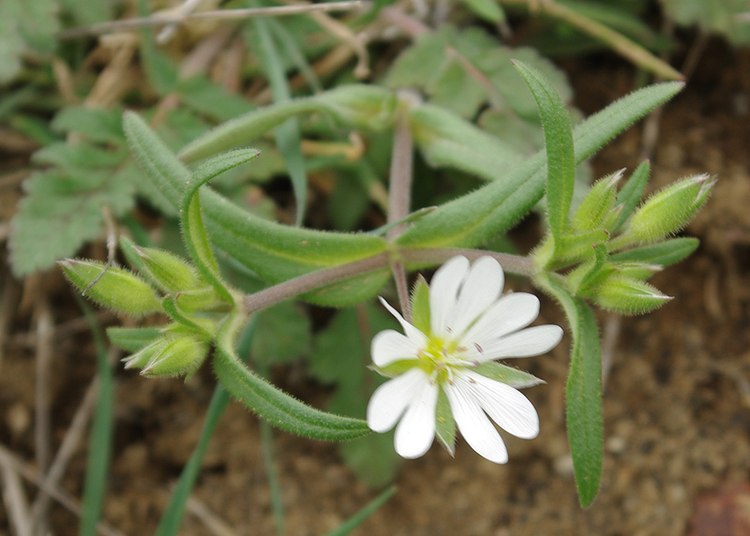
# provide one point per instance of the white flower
(452, 359)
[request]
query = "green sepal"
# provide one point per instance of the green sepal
(445, 424)
(178, 356)
(145, 355)
(669, 210)
(558, 141)
(202, 299)
(590, 272)
(368, 107)
(571, 248)
(192, 323)
(166, 270)
(420, 306)
(627, 295)
(507, 375)
(396, 368)
(631, 193)
(637, 270)
(132, 339)
(599, 202)
(273, 405)
(111, 287)
(663, 253)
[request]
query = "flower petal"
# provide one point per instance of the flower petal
(481, 288)
(416, 431)
(389, 346)
(443, 292)
(508, 314)
(474, 425)
(389, 401)
(527, 342)
(416, 336)
(505, 405)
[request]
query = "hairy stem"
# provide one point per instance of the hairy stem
(418, 256)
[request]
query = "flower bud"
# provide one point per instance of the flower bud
(669, 210)
(176, 355)
(598, 204)
(168, 271)
(361, 106)
(628, 296)
(115, 288)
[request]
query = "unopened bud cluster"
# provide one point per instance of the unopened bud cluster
(613, 246)
(164, 283)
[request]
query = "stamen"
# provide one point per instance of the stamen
(479, 348)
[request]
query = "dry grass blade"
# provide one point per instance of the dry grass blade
(63, 498)
(224, 14)
(211, 521)
(15, 500)
(45, 330)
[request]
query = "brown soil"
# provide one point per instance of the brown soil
(676, 400)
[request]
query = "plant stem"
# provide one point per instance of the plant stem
(399, 199)
(419, 256)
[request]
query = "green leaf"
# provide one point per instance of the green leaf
(25, 26)
(341, 353)
(446, 140)
(194, 233)
(357, 519)
(488, 10)
(132, 339)
(583, 392)
(167, 174)
(96, 124)
(287, 134)
(631, 193)
(663, 253)
(275, 252)
(558, 140)
(273, 405)
(721, 16)
(283, 334)
(494, 208)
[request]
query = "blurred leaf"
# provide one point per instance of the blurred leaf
(341, 352)
(726, 17)
(348, 202)
(494, 208)
(85, 12)
(25, 25)
(488, 10)
(283, 334)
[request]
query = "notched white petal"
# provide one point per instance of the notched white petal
(412, 332)
(389, 401)
(444, 292)
(389, 346)
(416, 431)
(474, 425)
(481, 288)
(510, 409)
(508, 314)
(530, 341)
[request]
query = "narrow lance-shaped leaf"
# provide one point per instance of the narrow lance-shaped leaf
(278, 408)
(583, 392)
(558, 141)
(494, 208)
(663, 253)
(631, 192)
(193, 231)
